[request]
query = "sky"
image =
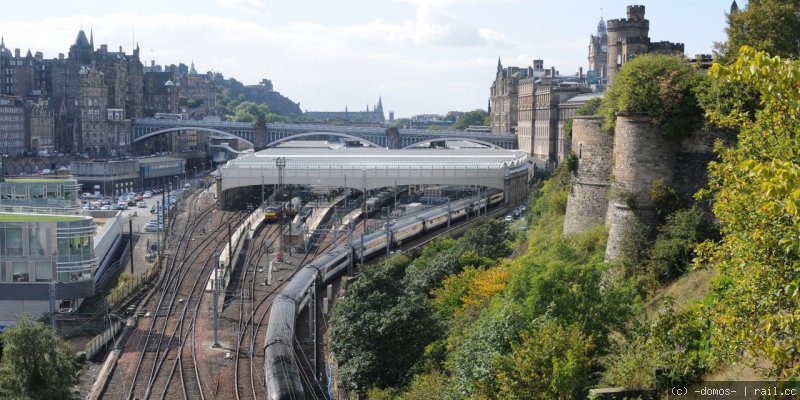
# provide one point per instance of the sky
(420, 56)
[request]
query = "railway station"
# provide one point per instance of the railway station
(374, 168)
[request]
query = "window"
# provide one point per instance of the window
(13, 241)
(19, 270)
(44, 271)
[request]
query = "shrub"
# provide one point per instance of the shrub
(661, 86)
(591, 107)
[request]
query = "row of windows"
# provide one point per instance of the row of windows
(25, 271)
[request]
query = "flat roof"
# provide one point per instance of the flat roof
(39, 180)
(159, 159)
(371, 157)
(37, 218)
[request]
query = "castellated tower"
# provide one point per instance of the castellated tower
(587, 203)
(627, 37)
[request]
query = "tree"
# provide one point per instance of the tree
(772, 26)
(756, 192)
(662, 86)
(551, 362)
(378, 332)
(36, 364)
(475, 117)
(489, 238)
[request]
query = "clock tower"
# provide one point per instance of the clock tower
(598, 54)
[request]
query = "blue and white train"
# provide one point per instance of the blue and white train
(282, 372)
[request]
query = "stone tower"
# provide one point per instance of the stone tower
(642, 155)
(593, 146)
(627, 37)
(598, 51)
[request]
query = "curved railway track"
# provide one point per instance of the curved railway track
(157, 343)
(249, 344)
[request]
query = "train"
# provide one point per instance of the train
(375, 203)
(282, 372)
(293, 206)
(270, 214)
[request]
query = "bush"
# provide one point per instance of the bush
(673, 249)
(664, 197)
(591, 107)
(661, 86)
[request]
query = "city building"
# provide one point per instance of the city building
(504, 97)
(535, 103)
(106, 177)
(48, 250)
(368, 118)
(161, 172)
(13, 129)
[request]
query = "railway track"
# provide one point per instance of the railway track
(158, 343)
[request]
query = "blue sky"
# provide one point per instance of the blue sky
(421, 56)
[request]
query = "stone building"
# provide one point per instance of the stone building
(196, 93)
(550, 93)
(160, 93)
(368, 118)
(598, 55)
(13, 126)
(504, 99)
(629, 37)
(42, 127)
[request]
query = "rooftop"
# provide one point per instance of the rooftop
(37, 218)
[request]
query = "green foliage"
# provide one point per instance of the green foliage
(672, 349)
(673, 250)
(718, 97)
(660, 85)
(550, 362)
(756, 188)
(664, 197)
(552, 199)
(591, 107)
(248, 111)
(36, 364)
(772, 26)
(474, 350)
(475, 117)
(488, 238)
(373, 321)
(231, 92)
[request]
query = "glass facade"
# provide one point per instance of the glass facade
(50, 193)
(52, 247)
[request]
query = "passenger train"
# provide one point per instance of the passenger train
(282, 372)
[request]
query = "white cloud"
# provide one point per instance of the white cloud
(249, 6)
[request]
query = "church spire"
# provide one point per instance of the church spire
(379, 107)
(734, 7)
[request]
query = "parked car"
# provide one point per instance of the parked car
(141, 204)
(147, 194)
(508, 218)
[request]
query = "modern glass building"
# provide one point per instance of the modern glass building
(37, 249)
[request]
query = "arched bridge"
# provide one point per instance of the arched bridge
(275, 133)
